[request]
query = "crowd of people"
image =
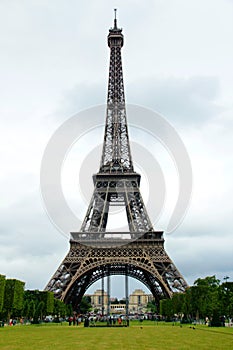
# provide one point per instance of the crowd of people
(90, 320)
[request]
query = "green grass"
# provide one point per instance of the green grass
(137, 337)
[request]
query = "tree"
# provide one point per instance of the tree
(2, 290)
(13, 297)
(69, 309)
(48, 299)
(215, 320)
(186, 308)
(85, 305)
(151, 306)
(226, 298)
(40, 311)
(35, 298)
(31, 309)
(166, 308)
(61, 309)
(115, 301)
(205, 296)
(26, 309)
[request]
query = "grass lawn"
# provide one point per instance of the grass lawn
(136, 337)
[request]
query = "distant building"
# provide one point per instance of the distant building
(96, 300)
(138, 301)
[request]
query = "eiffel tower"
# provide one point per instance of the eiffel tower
(94, 253)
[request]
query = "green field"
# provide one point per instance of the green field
(136, 337)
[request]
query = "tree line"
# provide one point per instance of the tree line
(32, 305)
(207, 299)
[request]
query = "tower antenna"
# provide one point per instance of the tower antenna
(115, 19)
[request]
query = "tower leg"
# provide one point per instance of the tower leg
(102, 296)
(126, 294)
(108, 294)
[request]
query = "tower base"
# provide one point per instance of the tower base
(90, 259)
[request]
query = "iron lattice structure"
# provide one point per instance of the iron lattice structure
(93, 254)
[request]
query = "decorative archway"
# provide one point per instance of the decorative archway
(145, 260)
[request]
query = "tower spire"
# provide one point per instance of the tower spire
(116, 155)
(115, 19)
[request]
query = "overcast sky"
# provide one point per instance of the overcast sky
(177, 60)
